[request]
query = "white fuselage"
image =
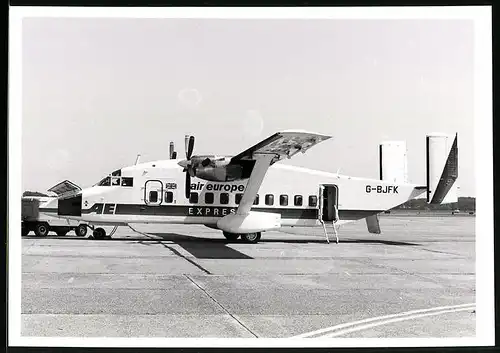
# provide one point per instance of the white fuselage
(158, 196)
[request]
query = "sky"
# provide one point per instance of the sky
(96, 92)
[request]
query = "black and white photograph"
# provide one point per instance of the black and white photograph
(284, 176)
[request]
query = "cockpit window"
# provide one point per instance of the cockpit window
(105, 182)
(115, 179)
(126, 181)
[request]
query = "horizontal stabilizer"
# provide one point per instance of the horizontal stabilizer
(373, 224)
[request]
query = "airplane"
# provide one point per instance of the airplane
(250, 193)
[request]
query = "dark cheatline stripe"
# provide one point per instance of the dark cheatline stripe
(218, 211)
(352, 215)
(207, 211)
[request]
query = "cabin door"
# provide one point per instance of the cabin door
(153, 192)
(328, 206)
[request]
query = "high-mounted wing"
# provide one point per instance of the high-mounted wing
(282, 145)
(279, 146)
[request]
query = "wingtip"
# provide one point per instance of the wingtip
(301, 131)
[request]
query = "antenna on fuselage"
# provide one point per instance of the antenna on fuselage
(137, 159)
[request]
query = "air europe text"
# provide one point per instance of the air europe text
(218, 187)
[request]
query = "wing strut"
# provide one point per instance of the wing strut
(262, 163)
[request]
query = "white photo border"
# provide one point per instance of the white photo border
(483, 105)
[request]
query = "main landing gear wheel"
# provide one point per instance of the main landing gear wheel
(99, 233)
(231, 236)
(41, 230)
(251, 237)
(81, 230)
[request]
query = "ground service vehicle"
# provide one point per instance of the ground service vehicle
(41, 223)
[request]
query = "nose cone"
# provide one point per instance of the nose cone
(70, 206)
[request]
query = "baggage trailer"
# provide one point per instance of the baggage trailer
(41, 223)
(39, 214)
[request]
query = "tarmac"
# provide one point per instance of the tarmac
(416, 279)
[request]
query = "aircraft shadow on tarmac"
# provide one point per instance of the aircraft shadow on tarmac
(201, 248)
(209, 248)
(182, 238)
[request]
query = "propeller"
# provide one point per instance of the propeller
(189, 146)
(208, 166)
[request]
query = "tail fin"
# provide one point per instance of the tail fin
(393, 168)
(393, 161)
(442, 168)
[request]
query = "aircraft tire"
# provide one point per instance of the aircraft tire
(81, 230)
(42, 229)
(99, 233)
(231, 236)
(251, 237)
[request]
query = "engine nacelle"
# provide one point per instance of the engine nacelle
(249, 223)
(228, 172)
(220, 174)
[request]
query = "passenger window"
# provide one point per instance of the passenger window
(193, 197)
(209, 198)
(126, 181)
(169, 197)
(269, 199)
(115, 181)
(313, 201)
(256, 201)
(297, 200)
(224, 198)
(284, 200)
(237, 198)
(153, 196)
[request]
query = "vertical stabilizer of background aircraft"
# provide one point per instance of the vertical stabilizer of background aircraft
(442, 168)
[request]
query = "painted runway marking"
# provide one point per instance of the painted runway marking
(385, 322)
(337, 330)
